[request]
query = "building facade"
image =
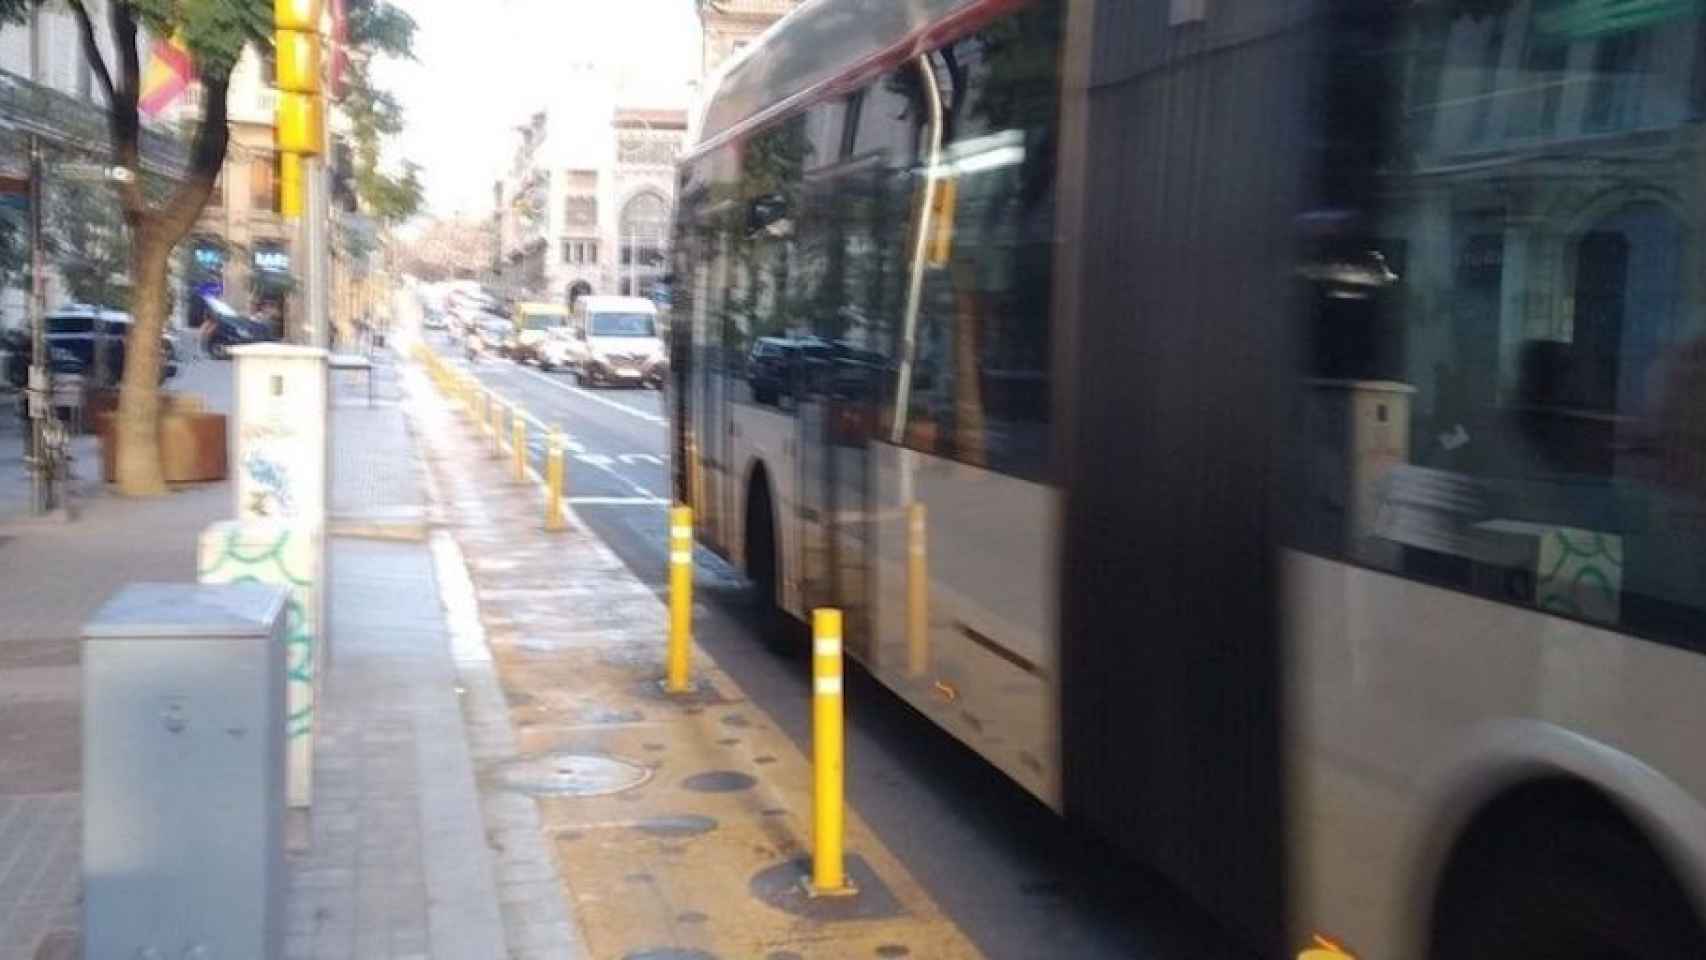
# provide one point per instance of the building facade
(586, 203)
(241, 250)
(730, 26)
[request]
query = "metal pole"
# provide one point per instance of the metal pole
(43, 495)
(317, 210)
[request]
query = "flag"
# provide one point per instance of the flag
(168, 74)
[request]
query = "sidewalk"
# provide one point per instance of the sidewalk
(393, 861)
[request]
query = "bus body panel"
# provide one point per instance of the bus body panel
(1415, 706)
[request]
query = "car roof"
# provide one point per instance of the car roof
(604, 302)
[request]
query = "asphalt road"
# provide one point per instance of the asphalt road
(1015, 877)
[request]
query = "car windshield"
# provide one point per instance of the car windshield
(72, 324)
(543, 320)
(623, 325)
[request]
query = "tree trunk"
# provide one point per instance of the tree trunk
(137, 432)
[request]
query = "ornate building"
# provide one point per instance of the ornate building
(729, 25)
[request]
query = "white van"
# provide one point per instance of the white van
(618, 342)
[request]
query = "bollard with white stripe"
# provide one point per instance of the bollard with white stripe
(680, 599)
(829, 871)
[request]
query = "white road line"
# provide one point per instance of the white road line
(617, 501)
(595, 398)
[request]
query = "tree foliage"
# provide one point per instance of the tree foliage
(215, 34)
(85, 240)
(375, 114)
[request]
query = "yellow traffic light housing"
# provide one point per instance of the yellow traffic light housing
(298, 59)
(300, 126)
(301, 15)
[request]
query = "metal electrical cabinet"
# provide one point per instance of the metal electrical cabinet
(183, 773)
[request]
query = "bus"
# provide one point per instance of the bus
(1273, 434)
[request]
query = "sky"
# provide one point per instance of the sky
(484, 66)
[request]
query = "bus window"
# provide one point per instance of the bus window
(980, 394)
(1505, 341)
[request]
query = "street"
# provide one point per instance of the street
(1006, 870)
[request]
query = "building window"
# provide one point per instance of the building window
(263, 183)
(580, 211)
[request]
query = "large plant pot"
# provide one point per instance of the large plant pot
(192, 447)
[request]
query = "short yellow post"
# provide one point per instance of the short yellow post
(494, 423)
(917, 592)
(554, 483)
(680, 598)
(829, 869)
(518, 443)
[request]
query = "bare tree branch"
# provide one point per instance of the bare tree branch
(92, 49)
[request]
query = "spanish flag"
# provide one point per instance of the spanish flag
(169, 72)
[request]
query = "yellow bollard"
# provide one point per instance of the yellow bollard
(829, 870)
(554, 483)
(495, 424)
(680, 599)
(917, 593)
(518, 443)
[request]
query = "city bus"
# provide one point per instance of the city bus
(1273, 434)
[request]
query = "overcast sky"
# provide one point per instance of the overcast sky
(483, 67)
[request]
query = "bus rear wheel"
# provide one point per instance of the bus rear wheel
(775, 628)
(1562, 884)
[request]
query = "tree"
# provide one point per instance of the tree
(375, 114)
(86, 242)
(215, 33)
(454, 249)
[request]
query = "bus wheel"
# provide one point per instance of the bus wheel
(1566, 877)
(774, 624)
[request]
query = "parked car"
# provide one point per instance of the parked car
(86, 340)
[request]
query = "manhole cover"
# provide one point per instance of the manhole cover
(571, 774)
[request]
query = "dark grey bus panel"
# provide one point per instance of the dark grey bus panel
(1185, 144)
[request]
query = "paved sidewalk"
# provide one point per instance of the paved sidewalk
(53, 576)
(395, 858)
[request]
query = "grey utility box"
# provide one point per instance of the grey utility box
(183, 773)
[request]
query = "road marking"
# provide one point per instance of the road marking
(629, 459)
(595, 398)
(617, 501)
(596, 459)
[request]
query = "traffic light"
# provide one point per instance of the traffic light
(301, 116)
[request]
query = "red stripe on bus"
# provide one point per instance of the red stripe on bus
(931, 36)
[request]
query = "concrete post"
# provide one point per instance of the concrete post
(286, 555)
(281, 455)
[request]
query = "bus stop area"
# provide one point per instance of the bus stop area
(681, 824)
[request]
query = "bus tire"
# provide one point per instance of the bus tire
(1565, 876)
(763, 566)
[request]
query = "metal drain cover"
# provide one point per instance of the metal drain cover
(570, 774)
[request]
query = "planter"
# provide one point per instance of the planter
(192, 446)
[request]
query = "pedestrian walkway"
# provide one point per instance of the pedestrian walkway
(394, 858)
